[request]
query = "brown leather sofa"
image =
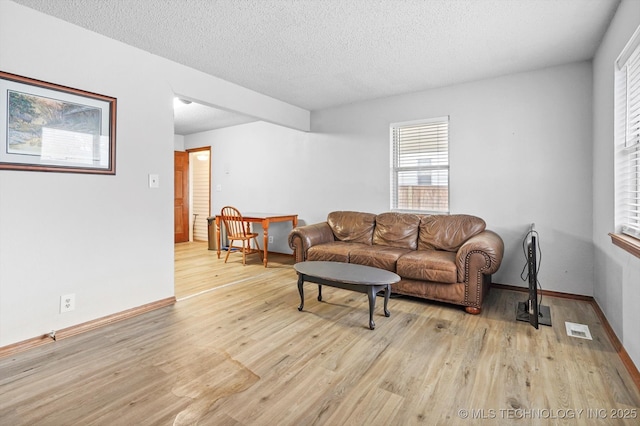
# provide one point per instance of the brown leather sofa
(448, 258)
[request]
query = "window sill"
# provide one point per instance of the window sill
(627, 243)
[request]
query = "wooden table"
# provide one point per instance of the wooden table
(263, 218)
(349, 276)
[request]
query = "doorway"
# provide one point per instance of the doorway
(192, 190)
(192, 210)
(199, 192)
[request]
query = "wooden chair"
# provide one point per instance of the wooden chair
(238, 230)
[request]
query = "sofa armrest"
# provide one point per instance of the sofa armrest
(304, 237)
(488, 246)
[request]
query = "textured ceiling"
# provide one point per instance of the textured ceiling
(323, 53)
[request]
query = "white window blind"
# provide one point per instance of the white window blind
(420, 166)
(628, 137)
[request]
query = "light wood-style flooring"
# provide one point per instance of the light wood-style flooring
(198, 270)
(235, 350)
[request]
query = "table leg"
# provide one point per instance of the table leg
(301, 291)
(372, 306)
(387, 292)
(319, 293)
(265, 243)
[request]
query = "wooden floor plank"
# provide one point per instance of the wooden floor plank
(235, 350)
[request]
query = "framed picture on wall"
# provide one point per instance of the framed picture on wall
(52, 128)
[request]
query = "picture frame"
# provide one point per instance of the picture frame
(52, 128)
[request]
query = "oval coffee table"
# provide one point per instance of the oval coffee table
(349, 276)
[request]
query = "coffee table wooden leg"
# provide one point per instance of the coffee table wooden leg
(300, 283)
(372, 306)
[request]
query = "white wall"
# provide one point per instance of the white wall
(178, 142)
(617, 273)
(104, 238)
(108, 239)
(519, 153)
(520, 150)
(254, 167)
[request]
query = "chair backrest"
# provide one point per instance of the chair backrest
(233, 222)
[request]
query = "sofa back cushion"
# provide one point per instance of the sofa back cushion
(448, 232)
(397, 230)
(352, 227)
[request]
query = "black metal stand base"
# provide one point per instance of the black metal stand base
(544, 314)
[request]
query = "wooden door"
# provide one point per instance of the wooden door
(181, 201)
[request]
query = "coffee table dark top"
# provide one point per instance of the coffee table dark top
(349, 273)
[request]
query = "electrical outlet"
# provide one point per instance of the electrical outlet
(270, 239)
(67, 303)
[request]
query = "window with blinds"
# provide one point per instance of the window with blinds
(628, 137)
(420, 166)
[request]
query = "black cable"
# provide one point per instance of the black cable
(539, 262)
(524, 277)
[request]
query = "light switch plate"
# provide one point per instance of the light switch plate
(154, 181)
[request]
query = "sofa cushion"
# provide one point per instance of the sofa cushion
(448, 232)
(449, 293)
(397, 230)
(428, 265)
(335, 251)
(354, 227)
(383, 257)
